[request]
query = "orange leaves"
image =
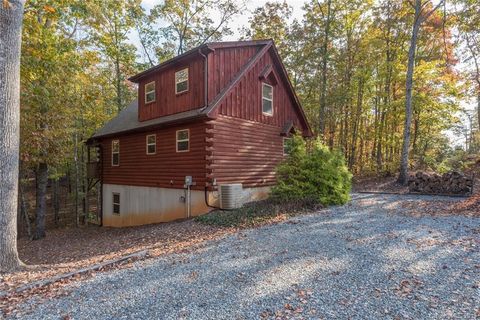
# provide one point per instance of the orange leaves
(49, 9)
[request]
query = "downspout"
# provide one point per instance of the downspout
(206, 200)
(205, 106)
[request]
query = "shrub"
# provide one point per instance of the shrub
(319, 174)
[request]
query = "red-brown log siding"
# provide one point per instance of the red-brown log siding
(241, 144)
(245, 99)
(245, 152)
(139, 169)
(224, 64)
(167, 101)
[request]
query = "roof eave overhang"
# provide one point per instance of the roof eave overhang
(205, 49)
(95, 139)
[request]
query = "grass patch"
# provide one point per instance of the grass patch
(257, 213)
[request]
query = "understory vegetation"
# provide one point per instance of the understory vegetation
(314, 172)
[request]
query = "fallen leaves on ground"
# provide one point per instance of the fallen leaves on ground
(66, 250)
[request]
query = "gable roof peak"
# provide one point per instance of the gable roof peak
(205, 47)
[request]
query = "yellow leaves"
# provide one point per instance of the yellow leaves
(7, 4)
(49, 9)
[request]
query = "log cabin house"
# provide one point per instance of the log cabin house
(214, 117)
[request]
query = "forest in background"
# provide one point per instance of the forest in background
(347, 60)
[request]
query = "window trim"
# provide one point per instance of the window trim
(147, 92)
(151, 144)
(116, 203)
(176, 82)
(182, 140)
(268, 99)
(117, 152)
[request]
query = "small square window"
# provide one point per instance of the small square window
(150, 92)
(151, 144)
(286, 146)
(183, 140)
(116, 203)
(115, 152)
(267, 99)
(181, 81)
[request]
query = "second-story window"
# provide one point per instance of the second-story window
(150, 92)
(267, 99)
(115, 153)
(181, 81)
(151, 144)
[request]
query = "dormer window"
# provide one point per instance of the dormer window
(181, 81)
(267, 99)
(150, 92)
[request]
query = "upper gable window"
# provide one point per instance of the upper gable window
(181, 81)
(115, 153)
(150, 92)
(267, 99)
(151, 144)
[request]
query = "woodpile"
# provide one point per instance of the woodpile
(452, 182)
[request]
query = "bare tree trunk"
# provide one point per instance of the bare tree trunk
(24, 212)
(56, 201)
(402, 177)
(11, 17)
(42, 181)
(478, 107)
(77, 218)
(323, 93)
(420, 17)
(356, 123)
(476, 62)
(84, 187)
(118, 81)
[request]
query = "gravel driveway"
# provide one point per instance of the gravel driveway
(366, 260)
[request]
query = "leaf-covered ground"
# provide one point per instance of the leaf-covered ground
(374, 258)
(66, 250)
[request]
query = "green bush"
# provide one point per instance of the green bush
(318, 174)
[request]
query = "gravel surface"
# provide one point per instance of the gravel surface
(366, 260)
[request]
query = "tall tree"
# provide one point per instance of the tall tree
(469, 20)
(11, 16)
(423, 10)
(190, 22)
(111, 23)
(271, 22)
(49, 61)
(327, 17)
